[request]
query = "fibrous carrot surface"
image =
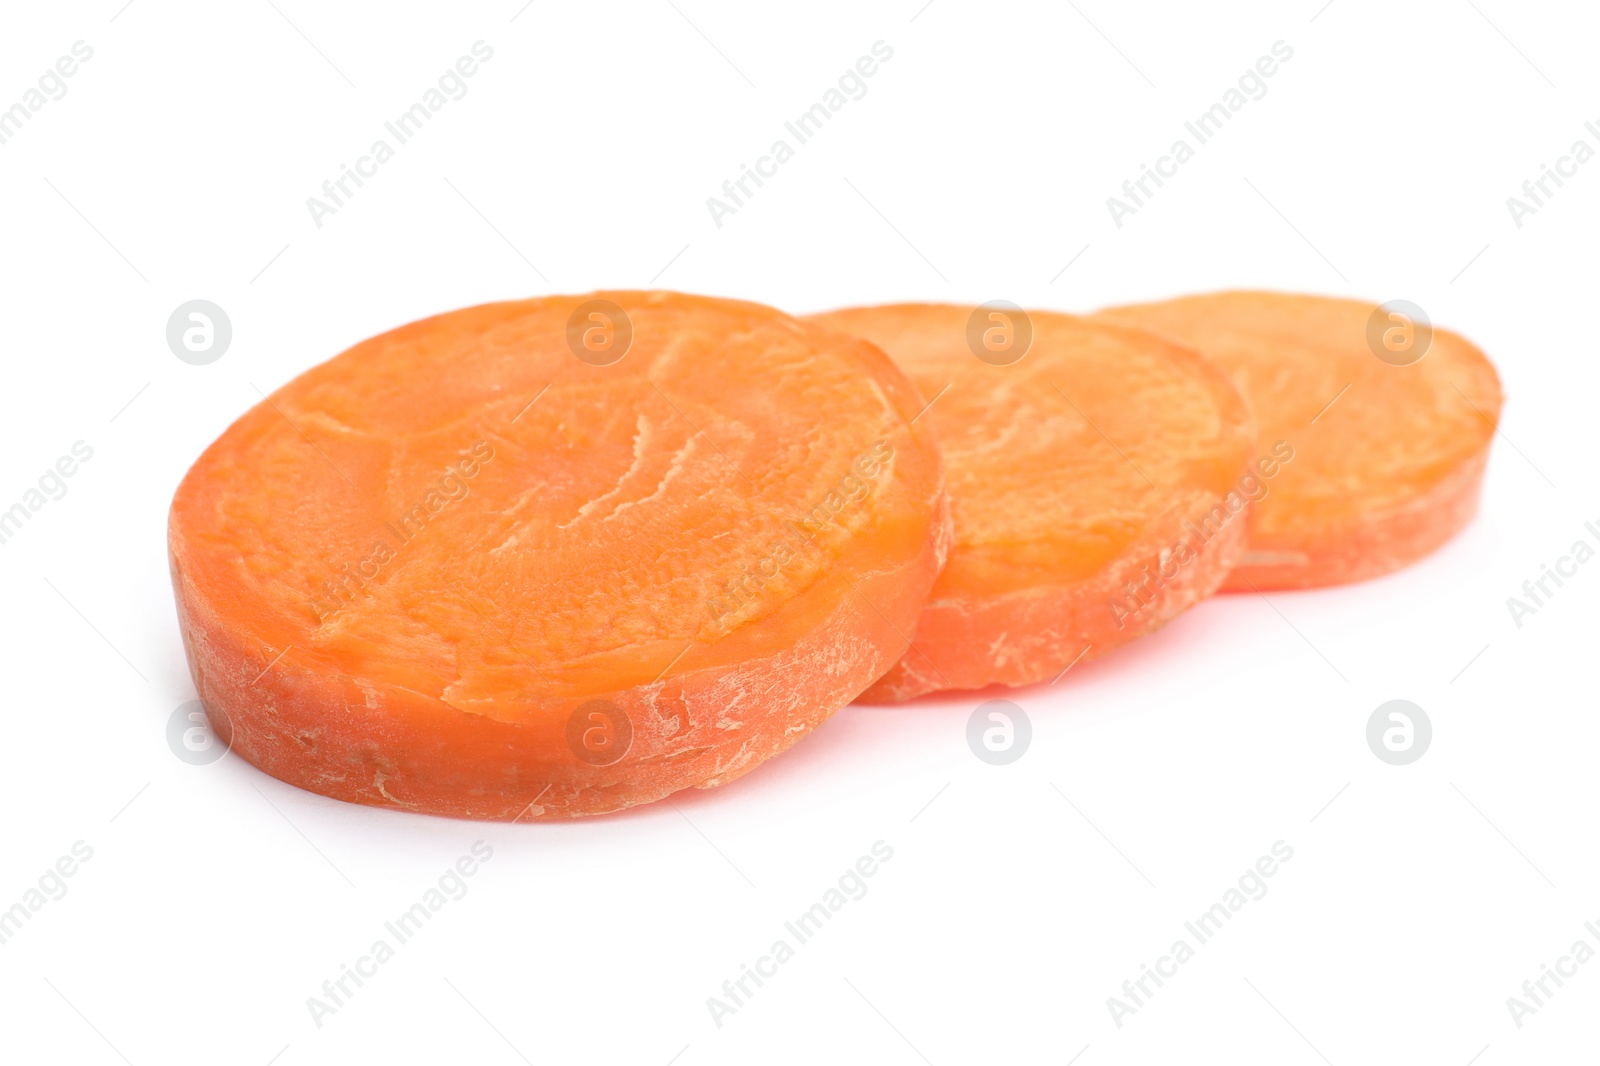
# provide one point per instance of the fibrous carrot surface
(1390, 421)
(556, 557)
(1094, 482)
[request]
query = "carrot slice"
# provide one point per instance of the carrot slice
(1090, 468)
(1389, 421)
(556, 557)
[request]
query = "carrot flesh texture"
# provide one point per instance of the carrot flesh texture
(1074, 474)
(1388, 459)
(401, 576)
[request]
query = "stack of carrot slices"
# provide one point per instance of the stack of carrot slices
(563, 556)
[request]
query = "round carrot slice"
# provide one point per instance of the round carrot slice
(556, 557)
(1094, 475)
(1389, 422)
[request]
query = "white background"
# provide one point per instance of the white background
(976, 167)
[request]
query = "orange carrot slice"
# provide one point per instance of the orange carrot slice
(1388, 419)
(556, 557)
(1091, 469)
